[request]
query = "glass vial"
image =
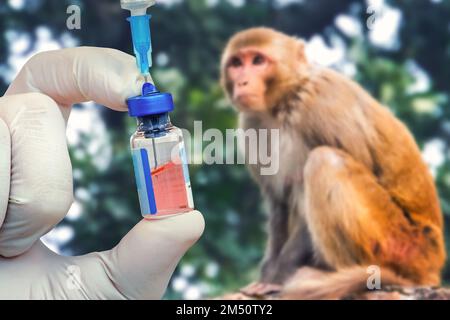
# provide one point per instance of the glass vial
(159, 159)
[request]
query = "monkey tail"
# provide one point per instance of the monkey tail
(312, 284)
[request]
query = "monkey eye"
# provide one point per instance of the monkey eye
(235, 62)
(258, 60)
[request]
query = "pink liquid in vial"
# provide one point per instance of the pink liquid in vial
(169, 188)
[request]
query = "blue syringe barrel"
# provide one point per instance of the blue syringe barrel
(142, 42)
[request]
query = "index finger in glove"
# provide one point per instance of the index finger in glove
(105, 76)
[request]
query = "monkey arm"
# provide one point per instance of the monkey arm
(286, 251)
(289, 244)
(278, 229)
(296, 252)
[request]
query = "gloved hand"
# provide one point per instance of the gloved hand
(36, 187)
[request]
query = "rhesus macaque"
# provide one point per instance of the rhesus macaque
(352, 189)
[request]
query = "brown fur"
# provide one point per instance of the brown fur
(352, 189)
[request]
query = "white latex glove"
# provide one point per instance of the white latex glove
(36, 187)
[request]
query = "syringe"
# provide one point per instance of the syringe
(140, 32)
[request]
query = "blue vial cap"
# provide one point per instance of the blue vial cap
(151, 102)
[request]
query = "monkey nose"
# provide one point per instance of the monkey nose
(243, 83)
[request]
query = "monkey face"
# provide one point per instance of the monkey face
(248, 72)
(260, 67)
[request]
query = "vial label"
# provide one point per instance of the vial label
(144, 182)
(164, 189)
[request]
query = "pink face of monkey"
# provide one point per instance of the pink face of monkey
(248, 71)
(259, 66)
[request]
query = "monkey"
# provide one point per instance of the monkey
(352, 190)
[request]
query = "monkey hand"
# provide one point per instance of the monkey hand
(36, 188)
